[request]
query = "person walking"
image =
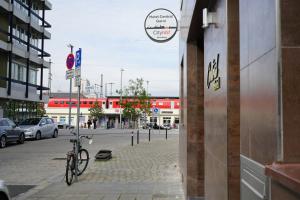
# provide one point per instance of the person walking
(95, 123)
(89, 123)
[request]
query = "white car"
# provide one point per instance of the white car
(4, 194)
(37, 128)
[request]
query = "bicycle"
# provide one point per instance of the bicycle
(83, 160)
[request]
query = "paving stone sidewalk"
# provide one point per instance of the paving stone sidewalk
(148, 171)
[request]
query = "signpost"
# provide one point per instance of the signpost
(157, 113)
(69, 75)
(78, 84)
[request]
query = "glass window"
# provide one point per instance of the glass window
(43, 121)
(32, 76)
(62, 119)
(153, 119)
(20, 74)
(4, 123)
(49, 121)
(14, 70)
(11, 123)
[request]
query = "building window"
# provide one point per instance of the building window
(167, 120)
(32, 76)
(153, 119)
(62, 119)
(21, 72)
(176, 120)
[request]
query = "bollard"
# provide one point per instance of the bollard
(149, 134)
(166, 134)
(138, 136)
(132, 138)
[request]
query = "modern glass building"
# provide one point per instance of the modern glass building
(23, 31)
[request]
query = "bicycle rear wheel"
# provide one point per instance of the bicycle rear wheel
(70, 170)
(83, 160)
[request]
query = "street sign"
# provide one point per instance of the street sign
(155, 111)
(69, 74)
(70, 61)
(89, 87)
(77, 81)
(77, 72)
(78, 59)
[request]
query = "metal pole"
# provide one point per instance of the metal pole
(101, 86)
(149, 134)
(121, 93)
(132, 138)
(70, 94)
(78, 120)
(159, 122)
(111, 84)
(105, 89)
(49, 79)
(138, 137)
(147, 87)
(166, 134)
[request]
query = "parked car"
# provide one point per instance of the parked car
(63, 125)
(9, 132)
(37, 128)
(4, 194)
(167, 126)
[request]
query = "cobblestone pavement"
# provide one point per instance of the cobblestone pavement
(142, 172)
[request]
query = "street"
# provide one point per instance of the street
(40, 165)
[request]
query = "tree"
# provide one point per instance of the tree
(96, 110)
(40, 110)
(135, 100)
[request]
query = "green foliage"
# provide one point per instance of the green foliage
(135, 100)
(40, 110)
(96, 110)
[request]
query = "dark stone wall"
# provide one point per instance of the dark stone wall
(222, 106)
(290, 51)
(192, 116)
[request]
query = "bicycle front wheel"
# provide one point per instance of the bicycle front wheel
(70, 170)
(83, 160)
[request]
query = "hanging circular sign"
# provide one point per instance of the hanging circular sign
(161, 25)
(70, 61)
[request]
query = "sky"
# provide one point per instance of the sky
(112, 36)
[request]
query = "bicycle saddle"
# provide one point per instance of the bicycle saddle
(73, 140)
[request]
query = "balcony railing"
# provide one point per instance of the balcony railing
(29, 9)
(45, 54)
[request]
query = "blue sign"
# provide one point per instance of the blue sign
(155, 110)
(78, 59)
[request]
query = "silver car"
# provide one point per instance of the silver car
(37, 128)
(4, 195)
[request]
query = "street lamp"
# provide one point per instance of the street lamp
(121, 93)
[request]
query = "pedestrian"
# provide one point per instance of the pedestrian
(89, 123)
(94, 122)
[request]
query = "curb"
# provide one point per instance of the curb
(42, 185)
